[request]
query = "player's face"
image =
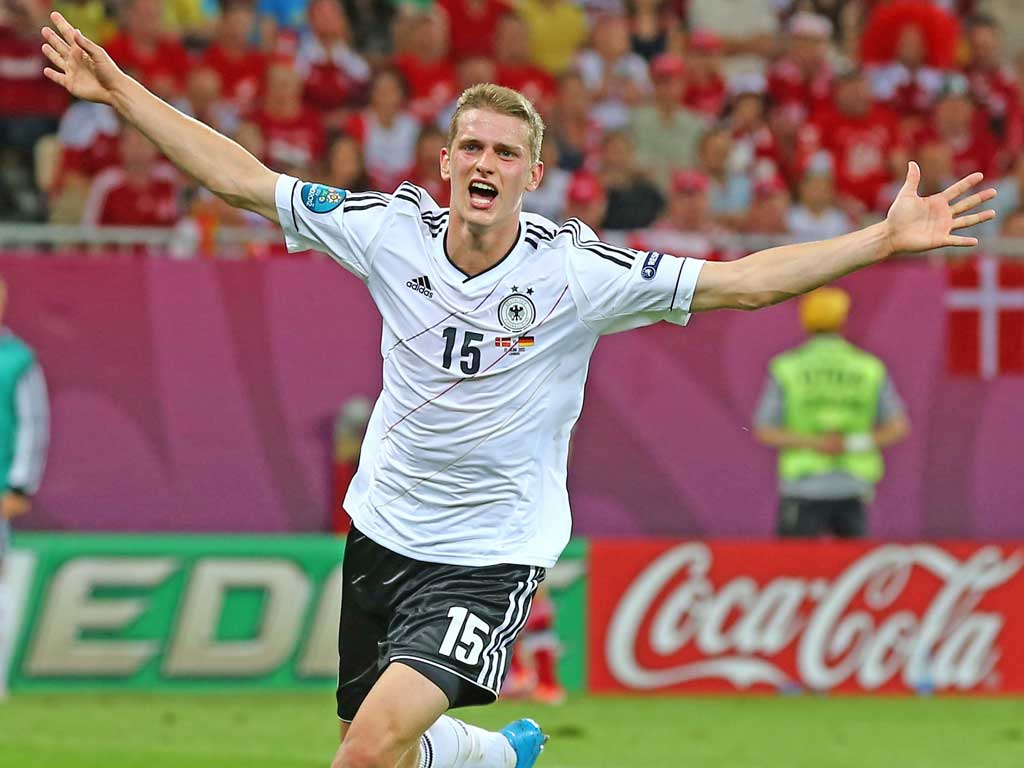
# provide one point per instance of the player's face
(489, 167)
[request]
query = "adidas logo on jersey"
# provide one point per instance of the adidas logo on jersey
(422, 285)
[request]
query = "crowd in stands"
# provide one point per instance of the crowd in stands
(792, 118)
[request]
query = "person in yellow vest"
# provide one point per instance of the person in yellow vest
(829, 408)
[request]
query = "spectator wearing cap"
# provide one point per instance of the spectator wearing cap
(956, 122)
(386, 131)
(293, 134)
(994, 84)
(144, 49)
(549, 199)
(514, 68)
(616, 78)
(139, 192)
(862, 137)
(241, 66)
(634, 201)
(769, 210)
(802, 78)
(747, 28)
(686, 228)
(815, 215)
(335, 75)
(586, 199)
(655, 28)
(730, 188)
(705, 86)
(426, 66)
(558, 29)
(664, 132)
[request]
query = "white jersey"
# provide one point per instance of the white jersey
(464, 459)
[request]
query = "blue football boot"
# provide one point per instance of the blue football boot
(527, 740)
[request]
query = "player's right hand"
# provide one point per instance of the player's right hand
(79, 65)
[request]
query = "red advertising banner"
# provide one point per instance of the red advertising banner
(723, 617)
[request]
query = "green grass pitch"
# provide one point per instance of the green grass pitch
(220, 730)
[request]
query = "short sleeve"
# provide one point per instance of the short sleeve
(890, 404)
(333, 221)
(616, 289)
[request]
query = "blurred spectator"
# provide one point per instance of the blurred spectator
(615, 76)
(202, 100)
(429, 73)
(844, 16)
(533, 672)
(92, 17)
(144, 49)
(30, 107)
(335, 75)
(730, 190)
(549, 199)
(293, 134)
(634, 202)
(802, 78)
(665, 133)
(1009, 199)
(577, 133)
(240, 66)
(906, 84)
(189, 21)
(705, 86)
(87, 143)
(654, 28)
(426, 172)
(769, 209)
(956, 122)
(471, 70)
(386, 131)
(586, 200)
(514, 68)
(345, 169)
(558, 29)
(815, 216)
(994, 86)
(1009, 17)
(861, 136)
(1013, 225)
(747, 28)
(935, 158)
(473, 25)
(371, 22)
(284, 18)
(686, 228)
(886, 22)
(754, 145)
(139, 192)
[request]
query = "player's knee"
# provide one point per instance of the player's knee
(363, 752)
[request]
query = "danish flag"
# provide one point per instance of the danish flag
(985, 323)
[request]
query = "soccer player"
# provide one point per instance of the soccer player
(490, 316)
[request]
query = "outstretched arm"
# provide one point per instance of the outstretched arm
(215, 161)
(913, 224)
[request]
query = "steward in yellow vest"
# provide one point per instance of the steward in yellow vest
(829, 408)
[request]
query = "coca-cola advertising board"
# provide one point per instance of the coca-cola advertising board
(721, 617)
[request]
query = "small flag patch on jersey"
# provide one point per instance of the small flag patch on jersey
(510, 341)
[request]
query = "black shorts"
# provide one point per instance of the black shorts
(808, 518)
(454, 624)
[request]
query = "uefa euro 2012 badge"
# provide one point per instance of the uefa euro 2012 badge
(320, 198)
(516, 312)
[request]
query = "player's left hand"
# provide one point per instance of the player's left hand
(922, 223)
(13, 505)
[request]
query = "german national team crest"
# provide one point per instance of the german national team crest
(516, 313)
(322, 199)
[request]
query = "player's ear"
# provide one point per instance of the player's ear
(536, 174)
(446, 171)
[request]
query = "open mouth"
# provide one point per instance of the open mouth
(482, 194)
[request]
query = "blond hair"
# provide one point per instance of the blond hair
(504, 101)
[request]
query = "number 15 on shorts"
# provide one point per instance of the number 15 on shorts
(465, 636)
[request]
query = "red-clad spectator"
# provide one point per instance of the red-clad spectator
(885, 24)
(754, 144)
(803, 77)
(473, 24)
(586, 199)
(386, 131)
(345, 167)
(142, 48)
(577, 133)
(995, 87)
(516, 70)
(336, 76)
(861, 136)
(956, 122)
(769, 208)
(293, 134)
(907, 85)
(203, 101)
(89, 137)
(426, 173)
(705, 86)
(687, 227)
(935, 159)
(428, 71)
(140, 192)
(240, 66)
